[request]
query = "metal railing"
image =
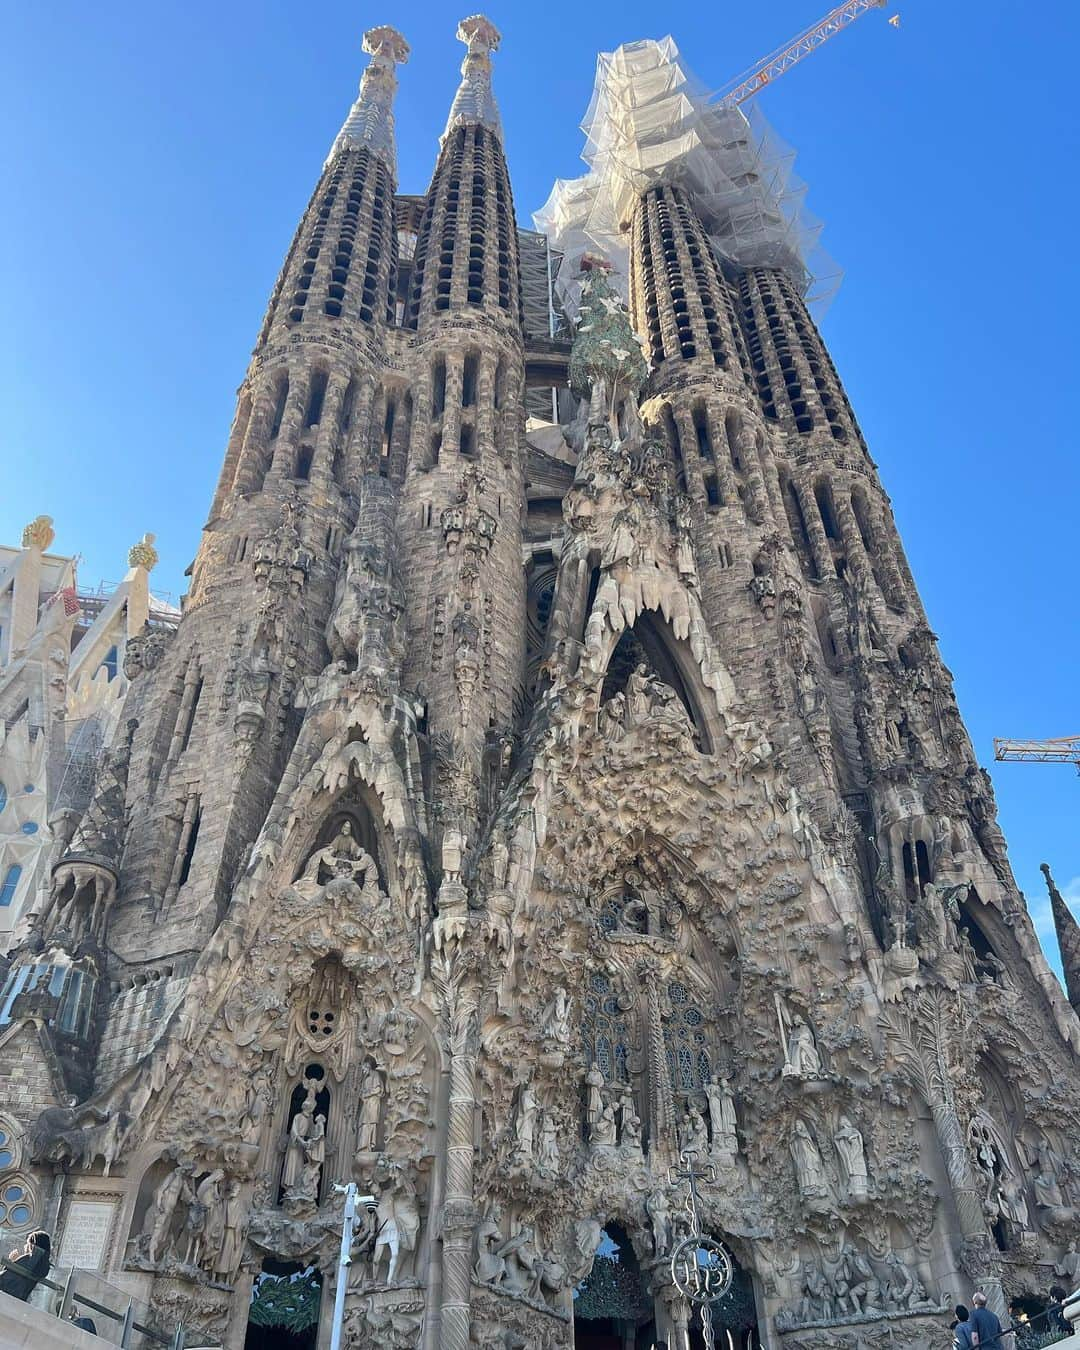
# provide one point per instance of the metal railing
(129, 1315)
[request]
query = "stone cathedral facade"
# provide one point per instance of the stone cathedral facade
(515, 816)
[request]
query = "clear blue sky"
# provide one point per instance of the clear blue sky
(160, 156)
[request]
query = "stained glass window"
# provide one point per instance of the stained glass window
(686, 1041)
(605, 1030)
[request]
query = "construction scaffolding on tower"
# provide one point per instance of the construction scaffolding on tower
(651, 121)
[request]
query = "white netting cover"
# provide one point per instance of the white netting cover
(651, 121)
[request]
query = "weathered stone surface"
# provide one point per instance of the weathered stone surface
(500, 852)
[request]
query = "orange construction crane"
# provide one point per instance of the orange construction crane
(755, 79)
(1064, 750)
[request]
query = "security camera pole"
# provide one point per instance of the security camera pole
(348, 1232)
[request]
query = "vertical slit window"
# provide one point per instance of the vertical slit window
(316, 398)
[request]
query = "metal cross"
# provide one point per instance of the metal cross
(701, 1268)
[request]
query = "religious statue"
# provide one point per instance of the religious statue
(521, 1256)
(234, 1221)
(343, 845)
(490, 1264)
(528, 1110)
(306, 1189)
(603, 1130)
(1045, 1181)
(1069, 1266)
(801, 1056)
(594, 1102)
(397, 1223)
(159, 1216)
(556, 1021)
(630, 1125)
(849, 1148)
(695, 1135)
(295, 1151)
(722, 1117)
(656, 1206)
(807, 1158)
(549, 1144)
(371, 1092)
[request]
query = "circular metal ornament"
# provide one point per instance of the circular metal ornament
(701, 1269)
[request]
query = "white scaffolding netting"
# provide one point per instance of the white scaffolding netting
(650, 121)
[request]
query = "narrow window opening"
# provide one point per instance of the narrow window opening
(468, 381)
(922, 865)
(281, 395)
(304, 457)
(909, 873)
(388, 427)
(191, 715)
(316, 397)
(701, 429)
(438, 389)
(824, 502)
(712, 491)
(467, 444)
(436, 446)
(189, 850)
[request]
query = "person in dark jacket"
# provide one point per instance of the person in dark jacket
(33, 1266)
(961, 1328)
(985, 1327)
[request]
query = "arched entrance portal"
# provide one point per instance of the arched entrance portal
(612, 1308)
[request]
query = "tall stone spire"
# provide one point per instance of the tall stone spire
(1068, 936)
(371, 118)
(474, 100)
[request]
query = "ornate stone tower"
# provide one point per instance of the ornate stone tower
(528, 820)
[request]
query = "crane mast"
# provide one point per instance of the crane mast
(765, 72)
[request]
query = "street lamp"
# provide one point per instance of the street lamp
(353, 1201)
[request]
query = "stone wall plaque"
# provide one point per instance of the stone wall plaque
(85, 1242)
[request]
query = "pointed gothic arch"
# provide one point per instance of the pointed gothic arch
(650, 641)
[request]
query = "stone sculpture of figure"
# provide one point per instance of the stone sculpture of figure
(656, 1206)
(159, 1216)
(807, 1158)
(900, 1291)
(638, 695)
(604, 1130)
(1069, 1266)
(371, 1091)
(343, 845)
(849, 1147)
(557, 1020)
(816, 1304)
(490, 1264)
(398, 1222)
(307, 1188)
(295, 1150)
(722, 1117)
(549, 1144)
(695, 1134)
(1012, 1202)
(1045, 1181)
(528, 1110)
(583, 1254)
(210, 1195)
(594, 1101)
(234, 1214)
(856, 1276)
(521, 1256)
(203, 1206)
(630, 1125)
(803, 1060)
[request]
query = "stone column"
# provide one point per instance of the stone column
(459, 1210)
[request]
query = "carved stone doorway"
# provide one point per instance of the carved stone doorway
(612, 1310)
